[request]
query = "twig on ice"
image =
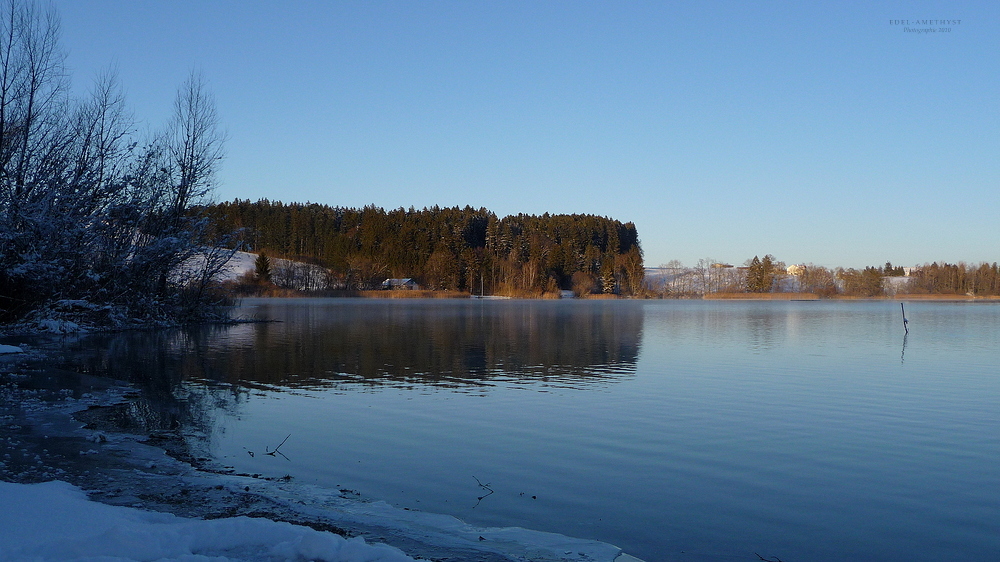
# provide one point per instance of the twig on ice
(485, 487)
(276, 451)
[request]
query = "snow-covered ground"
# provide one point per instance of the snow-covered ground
(240, 264)
(55, 521)
(286, 273)
(244, 262)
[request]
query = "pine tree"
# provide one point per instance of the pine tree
(760, 274)
(262, 268)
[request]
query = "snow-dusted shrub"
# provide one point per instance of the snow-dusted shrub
(90, 212)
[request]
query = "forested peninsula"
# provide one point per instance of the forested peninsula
(445, 249)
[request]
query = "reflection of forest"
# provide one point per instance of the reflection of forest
(318, 343)
(451, 344)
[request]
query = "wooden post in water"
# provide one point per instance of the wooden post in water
(905, 321)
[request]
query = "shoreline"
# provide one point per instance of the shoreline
(431, 295)
(815, 297)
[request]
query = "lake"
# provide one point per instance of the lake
(676, 430)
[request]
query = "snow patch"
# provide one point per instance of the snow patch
(56, 326)
(240, 264)
(8, 349)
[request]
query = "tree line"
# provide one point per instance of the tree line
(957, 279)
(454, 249)
(767, 275)
(95, 220)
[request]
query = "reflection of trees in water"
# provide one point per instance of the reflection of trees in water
(754, 326)
(464, 346)
(761, 327)
(447, 345)
(329, 342)
(157, 364)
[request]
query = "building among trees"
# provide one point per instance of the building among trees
(406, 284)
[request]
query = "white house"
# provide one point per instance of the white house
(400, 284)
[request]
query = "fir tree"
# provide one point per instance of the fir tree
(262, 268)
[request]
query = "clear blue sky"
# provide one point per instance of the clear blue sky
(815, 131)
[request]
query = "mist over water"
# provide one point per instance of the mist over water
(675, 430)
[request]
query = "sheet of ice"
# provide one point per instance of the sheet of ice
(55, 521)
(515, 543)
(6, 349)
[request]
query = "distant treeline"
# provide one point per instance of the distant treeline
(768, 275)
(459, 249)
(981, 279)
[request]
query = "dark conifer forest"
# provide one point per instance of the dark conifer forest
(453, 249)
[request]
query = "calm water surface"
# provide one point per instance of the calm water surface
(675, 430)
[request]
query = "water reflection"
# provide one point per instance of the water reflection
(789, 427)
(323, 343)
(156, 363)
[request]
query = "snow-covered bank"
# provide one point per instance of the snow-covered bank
(55, 521)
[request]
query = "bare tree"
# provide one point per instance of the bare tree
(583, 283)
(32, 95)
(703, 273)
(195, 143)
(818, 279)
(631, 271)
